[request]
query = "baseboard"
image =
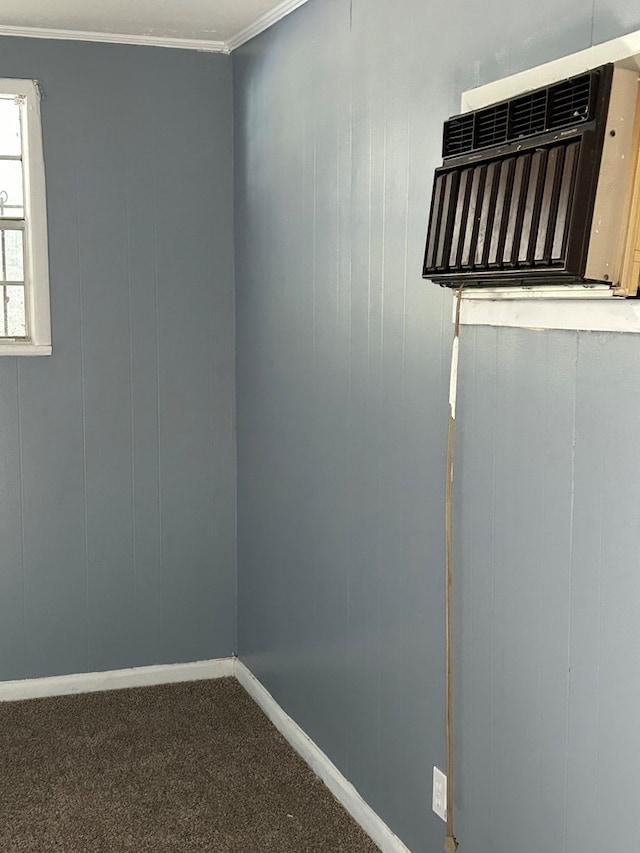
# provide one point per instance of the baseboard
(140, 676)
(340, 787)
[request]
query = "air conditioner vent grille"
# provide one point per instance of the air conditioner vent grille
(569, 102)
(528, 115)
(506, 215)
(562, 105)
(491, 126)
(458, 136)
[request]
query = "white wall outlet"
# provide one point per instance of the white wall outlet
(439, 793)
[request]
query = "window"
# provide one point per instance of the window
(25, 326)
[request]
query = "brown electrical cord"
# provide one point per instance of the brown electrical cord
(450, 842)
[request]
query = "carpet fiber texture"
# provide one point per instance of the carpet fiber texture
(179, 768)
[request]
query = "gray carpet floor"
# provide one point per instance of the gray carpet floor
(171, 769)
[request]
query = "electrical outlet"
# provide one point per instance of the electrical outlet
(439, 793)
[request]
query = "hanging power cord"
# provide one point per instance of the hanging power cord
(450, 842)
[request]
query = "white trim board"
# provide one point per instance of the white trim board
(624, 49)
(205, 45)
(339, 786)
(592, 315)
(91, 682)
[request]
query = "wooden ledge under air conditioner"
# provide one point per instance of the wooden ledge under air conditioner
(595, 298)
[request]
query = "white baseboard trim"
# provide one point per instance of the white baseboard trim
(340, 787)
(140, 676)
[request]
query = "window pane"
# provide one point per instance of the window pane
(11, 256)
(9, 128)
(15, 320)
(11, 200)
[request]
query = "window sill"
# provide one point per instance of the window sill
(25, 349)
(593, 315)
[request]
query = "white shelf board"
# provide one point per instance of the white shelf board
(625, 49)
(593, 315)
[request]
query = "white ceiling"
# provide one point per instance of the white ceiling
(209, 24)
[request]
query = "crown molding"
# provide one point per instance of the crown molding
(115, 38)
(208, 46)
(263, 23)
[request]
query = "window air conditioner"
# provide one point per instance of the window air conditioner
(540, 190)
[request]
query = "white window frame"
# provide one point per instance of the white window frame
(36, 247)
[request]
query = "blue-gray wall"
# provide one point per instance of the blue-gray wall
(117, 472)
(342, 382)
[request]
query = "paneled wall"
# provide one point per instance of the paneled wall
(342, 378)
(117, 472)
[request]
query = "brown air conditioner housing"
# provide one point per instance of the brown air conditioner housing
(537, 189)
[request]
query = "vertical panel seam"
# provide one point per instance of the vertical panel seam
(598, 700)
(472, 564)
(493, 592)
(569, 627)
(541, 582)
(84, 421)
(381, 392)
(380, 396)
(234, 405)
(134, 562)
(350, 368)
(22, 533)
(314, 247)
(158, 410)
(403, 369)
